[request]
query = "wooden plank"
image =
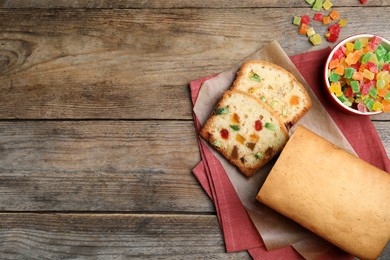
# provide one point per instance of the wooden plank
(383, 129)
(100, 166)
(104, 166)
(111, 236)
(171, 4)
(118, 63)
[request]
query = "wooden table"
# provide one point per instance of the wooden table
(97, 141)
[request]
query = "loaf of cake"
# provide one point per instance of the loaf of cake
(275, 86)
(331, 192)
(245, 131)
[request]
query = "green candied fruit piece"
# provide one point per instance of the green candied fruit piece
(380, 83)
(358, 45)
(317, 5)
(333, 77)
(369, 102)
(259, 155)
(235, 127)
(270, 126)
(216, 143)
(297, 20)
(387, 57)
(310, 2)
(366, 57)
(380, 52)
(254, 77)
(387, 96)
(373, 92)
(342, 98)
(355, 86)
(347, 103)
(222, 111)
(349, 73)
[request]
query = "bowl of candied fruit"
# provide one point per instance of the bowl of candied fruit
(357, 75)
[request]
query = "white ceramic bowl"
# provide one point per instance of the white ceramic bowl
(340, 105)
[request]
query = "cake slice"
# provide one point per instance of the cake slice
(275, 86)
(245, 131)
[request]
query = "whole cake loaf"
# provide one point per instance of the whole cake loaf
(331, 192)
(245, 131)
(275, 86)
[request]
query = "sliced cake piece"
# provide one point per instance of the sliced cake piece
(245, 130)
(275, 86)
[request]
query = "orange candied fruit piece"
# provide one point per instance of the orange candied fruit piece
(326, 20)
(333, 64)
(254, 137)
(383, 92)
(303, 29)
(294, 100)
(339, 70)
(357, 76)
(386, 106)
(334, 15)
(235, 118)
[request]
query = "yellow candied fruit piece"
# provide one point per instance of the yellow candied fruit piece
(310, 32)
(349, 46)
(343, 22)
(327, 5)
(316, 39)
(368, 74)
(385, 75)
(374, 59)
(335, 87)
(240, 139)
(364, 42)
(377, 106)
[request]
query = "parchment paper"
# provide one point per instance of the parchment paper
(275, 230)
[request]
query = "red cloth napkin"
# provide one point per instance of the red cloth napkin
(238, 230)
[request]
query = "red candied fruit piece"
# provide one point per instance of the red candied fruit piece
(386, 67)
(372, 67)
(224, 133)
(356, 66)
(318, 17)
(338, 54)
(258, 125)
(349, 93)
(344, 49)
(365, 88)
(332, 38)
(335, 29)
(305, 19)
(363, 1)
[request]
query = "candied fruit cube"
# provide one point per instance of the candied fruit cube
(327, 5)
(334, 15)
(343, 22)
(368, 74)
(326, 20)
(316, 39)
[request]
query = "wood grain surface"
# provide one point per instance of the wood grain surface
(116, 64)
(97, 141)
(111, 236)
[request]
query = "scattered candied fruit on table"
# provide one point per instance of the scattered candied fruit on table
(359, 74)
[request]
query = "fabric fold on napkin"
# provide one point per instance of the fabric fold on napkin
(238, 229)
